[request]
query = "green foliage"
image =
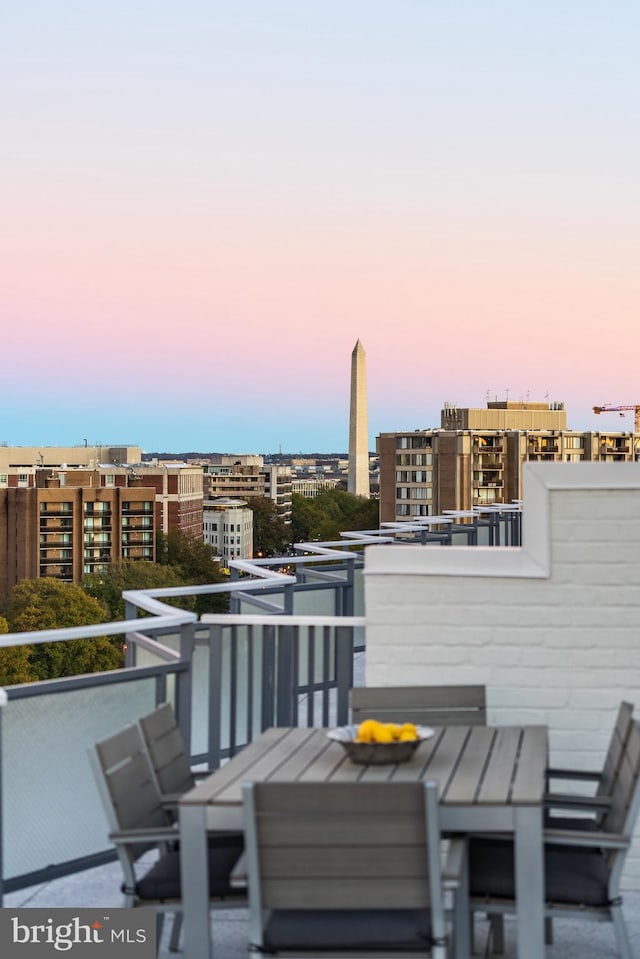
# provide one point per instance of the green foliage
(47, 603)
(325, 517)
(192, 559)
(107, 587)
(14, 661)
(271, 535)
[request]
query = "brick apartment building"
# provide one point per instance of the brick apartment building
(77, 515)
(475, 458)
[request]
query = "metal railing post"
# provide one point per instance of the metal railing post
(183, 683)
(344, 671)
(286, 675)
(214, 744)
(130, 651)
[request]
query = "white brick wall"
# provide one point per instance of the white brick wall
(552, 629)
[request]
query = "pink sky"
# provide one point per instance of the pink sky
(204, 208)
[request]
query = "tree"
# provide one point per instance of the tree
(107, 587)
(271, 535)
(192, 557)
(324, 517)
(47, 603)
(14, 661)
(193, 561)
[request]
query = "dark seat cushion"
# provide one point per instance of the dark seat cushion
(162, 881)
(572, 875)
(401, 929)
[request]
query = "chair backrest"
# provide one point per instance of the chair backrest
(343, 846)
(616, 749)
(625, 794)
(166, 749)
(424, 705)
(126, 783)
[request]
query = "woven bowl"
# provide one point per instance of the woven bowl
(377, 754)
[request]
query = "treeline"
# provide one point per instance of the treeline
(324, 517)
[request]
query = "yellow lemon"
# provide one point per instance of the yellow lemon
(407, 737)
(407, 728)
(394, 729)
(382, 734)
(365, 731)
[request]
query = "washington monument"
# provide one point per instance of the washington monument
(358, 427)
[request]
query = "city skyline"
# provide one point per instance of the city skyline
(205, 205)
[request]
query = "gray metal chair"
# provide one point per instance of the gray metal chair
(345, 867)
(597, 802)
(139, 823)
(423, 705)
(582, 867)
(167, 754)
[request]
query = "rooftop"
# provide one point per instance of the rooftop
(493, 613)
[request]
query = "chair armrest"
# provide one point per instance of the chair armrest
(578, 774)
(578, 837)
(453, 868)
(151, 834)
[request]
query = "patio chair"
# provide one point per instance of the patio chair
(167, 754)
(139, 823)
(582, 867)
(424, 705)
(343, 868)
(591, 808)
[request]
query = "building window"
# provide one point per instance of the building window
(3, 479)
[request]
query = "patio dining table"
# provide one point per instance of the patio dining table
(491, 779)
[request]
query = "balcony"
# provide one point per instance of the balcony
(283, 656)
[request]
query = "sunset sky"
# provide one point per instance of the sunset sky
(204, 204)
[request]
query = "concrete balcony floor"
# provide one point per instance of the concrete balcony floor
(100, 887)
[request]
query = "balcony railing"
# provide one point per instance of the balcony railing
(284, 655)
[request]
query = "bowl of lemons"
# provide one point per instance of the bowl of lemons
(375, 743)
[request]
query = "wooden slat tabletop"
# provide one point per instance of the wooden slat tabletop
(474, 765)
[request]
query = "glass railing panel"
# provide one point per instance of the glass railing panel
(52, 812)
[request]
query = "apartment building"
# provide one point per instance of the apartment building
(228, 529)
(15, 458)
(98, 514)
(246, 475)
(314, 485)
(65, 531)
(475, 458)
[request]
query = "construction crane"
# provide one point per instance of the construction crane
(609, 408)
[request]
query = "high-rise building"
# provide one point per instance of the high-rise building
(66, 531)
(65, 521)
(475, 458)
(358, 481)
